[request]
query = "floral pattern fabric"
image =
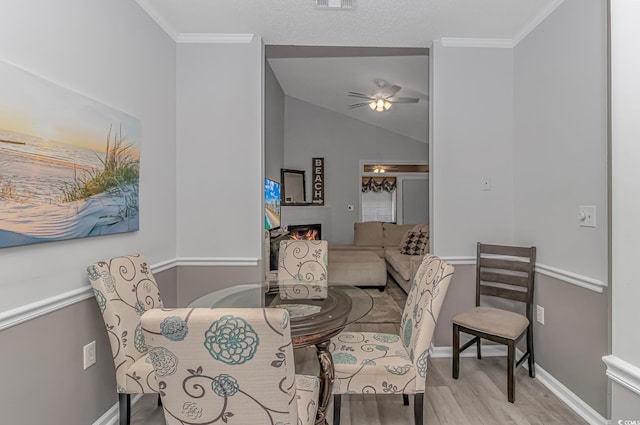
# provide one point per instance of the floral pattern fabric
(124, 289)
(302, 269)
(380, 363)
(229, 366)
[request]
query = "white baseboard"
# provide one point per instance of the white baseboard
(112, 416)
(567, 396)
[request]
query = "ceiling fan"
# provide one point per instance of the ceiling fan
(382, 99)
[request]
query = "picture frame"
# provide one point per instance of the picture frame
(293, 187)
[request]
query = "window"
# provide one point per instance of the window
(378, 199)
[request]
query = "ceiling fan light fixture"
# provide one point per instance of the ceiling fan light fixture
(380, 105)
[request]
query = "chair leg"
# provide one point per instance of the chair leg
(532, 362)
(124, 400)
(511, 357)
(405, 399)
(456, 351)
(479, 352)
(337, 404)
(159, 401)
(418, 401)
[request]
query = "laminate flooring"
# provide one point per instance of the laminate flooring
(478, 397)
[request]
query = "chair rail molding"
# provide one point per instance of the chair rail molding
(623, 373)
(48, 305)
(566, 276)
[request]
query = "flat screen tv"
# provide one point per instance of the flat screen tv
(271, 204)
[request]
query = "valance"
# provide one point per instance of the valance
(378, 184)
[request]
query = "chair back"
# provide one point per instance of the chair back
(230, 365)
(506, 272)
(422, 309)
(124, 289)
(303, 260)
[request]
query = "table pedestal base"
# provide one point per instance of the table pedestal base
(326, 381)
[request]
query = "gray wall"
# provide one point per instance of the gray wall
(311, 131)
(273, 125)
(560, 137)
(219, 150)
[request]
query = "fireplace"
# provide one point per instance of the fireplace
(305, 231)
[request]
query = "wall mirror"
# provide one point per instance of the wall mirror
(293, 187)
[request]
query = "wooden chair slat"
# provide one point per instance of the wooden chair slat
(497, 263)
(510, 294)
(515, 251)
(508, 279)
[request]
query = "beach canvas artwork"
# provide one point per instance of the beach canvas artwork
(69, 166)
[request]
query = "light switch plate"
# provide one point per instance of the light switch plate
(587, 216)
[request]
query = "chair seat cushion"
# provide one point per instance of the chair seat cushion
(140, 377)
(367, 362)
(307, 393)
(503, 323)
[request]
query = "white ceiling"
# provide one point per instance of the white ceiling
(324, 81)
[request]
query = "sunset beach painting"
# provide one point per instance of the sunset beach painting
(69, 166)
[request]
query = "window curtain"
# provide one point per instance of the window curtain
(378, 184)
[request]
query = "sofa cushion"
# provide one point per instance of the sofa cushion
(393, 233)
(378, 250)
(367, 233)
(405, 265)
(415, 244)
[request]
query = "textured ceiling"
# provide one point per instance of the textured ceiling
(325, 80)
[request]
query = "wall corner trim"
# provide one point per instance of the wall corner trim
(567, 396)
(215, 38)
(531, 25)
(493, 43)
(622, 372)
(211, 261)
(112, 416)
(586, 282)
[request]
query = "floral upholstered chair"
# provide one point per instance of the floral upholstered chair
(302, 269)
(380, 363)
(124, 289)
(230, 366)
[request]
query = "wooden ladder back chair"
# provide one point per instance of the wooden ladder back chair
(506, 272)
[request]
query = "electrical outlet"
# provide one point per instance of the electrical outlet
(486, 183)
(89, 354)
(540, 314)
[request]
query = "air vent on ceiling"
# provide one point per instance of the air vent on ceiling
(333, 4)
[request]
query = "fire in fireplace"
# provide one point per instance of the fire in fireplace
(310, 232)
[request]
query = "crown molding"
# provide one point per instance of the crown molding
(158, 18)
(214, 38)
(492, 43)
(532, 24)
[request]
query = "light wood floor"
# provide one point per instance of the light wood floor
(478, 397)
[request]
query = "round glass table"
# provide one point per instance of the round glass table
(318, 311)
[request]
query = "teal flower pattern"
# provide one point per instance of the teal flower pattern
(382, 348)
(408, 330)
(139, 308)
(164, 361)
(174, 328)
(224, 385)
(421, 364)
(102, 301)
(109, 282)
(344, 358)
(398, 370)
(138, 340)
(191, 410)
(93, 272)
(231, 340)
(386, 338)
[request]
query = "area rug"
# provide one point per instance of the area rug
(385, 309)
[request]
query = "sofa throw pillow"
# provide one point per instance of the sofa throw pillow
(415, 243)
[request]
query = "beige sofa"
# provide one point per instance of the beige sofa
(384, 240)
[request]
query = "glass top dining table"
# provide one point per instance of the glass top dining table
(317, 310)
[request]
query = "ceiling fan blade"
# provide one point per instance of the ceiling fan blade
(357, 105)
(403, 100)
(361, 96)
(390, 91)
